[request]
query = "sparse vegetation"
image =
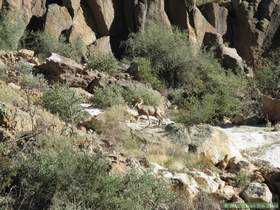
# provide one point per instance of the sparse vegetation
(44, 44)
(11, 30)
(57, 175)
(207, 91)
(105, 63)
(107, 96)
(61, 100)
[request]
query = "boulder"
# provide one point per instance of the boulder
(216, 15)
(212, 143)
(58, 20)
(257, 192)
(200, 25)
(103, 13)
(61, 69)
(205, 182)
(101, 46)
(227, 56)
(271, 108)
(141, 13)
(80, 29)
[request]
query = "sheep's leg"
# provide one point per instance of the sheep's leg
(149, 119)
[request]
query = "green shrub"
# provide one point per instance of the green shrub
(268, 80)
(115, 95)
(57, 176)
(138, 90)
(204, 91)
(105, 63)
(146, 75)
(61, 100)
(11, 30)
(45, 44)
(107, 96)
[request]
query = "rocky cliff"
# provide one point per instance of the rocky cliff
(251, 27)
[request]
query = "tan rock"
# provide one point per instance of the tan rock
(80, 29)
(101, 46)
(27, 9)
(103, 12)
(58, 20)
(72, 5)
(257, 192)
(200, 25)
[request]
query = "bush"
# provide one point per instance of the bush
(107, 96)
(138, 90)
(105, 63)
(57, 176)
(204, 91)
(111, 95)
(268, 80)
(61, 100)
(146, 75)
(45, 44)
(11, 30)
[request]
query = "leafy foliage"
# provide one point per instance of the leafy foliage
(105, 63)
(45, 44)
(11, 30)
(60, 99)
(203, 90)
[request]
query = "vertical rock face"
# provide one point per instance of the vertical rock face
(58, 20)
(216, 15)
(141, 13)
(27, 8)
(103, 13)
(255, 25)
(80, 29)
(72, 5)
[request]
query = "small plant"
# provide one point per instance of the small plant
(61, 100)
(107, 96)
(242, 179)
(105, 63)
(11, 30)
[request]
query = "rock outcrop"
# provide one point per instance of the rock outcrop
(58, 20)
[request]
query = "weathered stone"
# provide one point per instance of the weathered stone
(216, 16)
(80, 30)
(201, 26)
(103, 12)
(61, 69)
(252, 35)
(27, 9)
(257, 192)
(72, 5)
(212, 143)
(58, 20)
(101, 46)
(228, 57)
(141, 13)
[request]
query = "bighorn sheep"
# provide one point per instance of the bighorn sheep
(148, 111)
